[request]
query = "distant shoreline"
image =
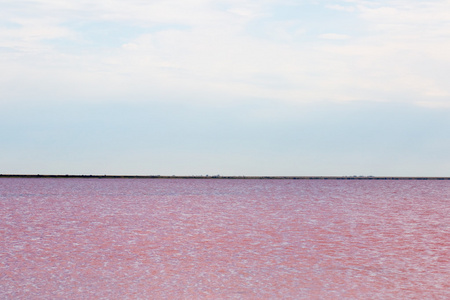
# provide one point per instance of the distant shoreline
(225, 177)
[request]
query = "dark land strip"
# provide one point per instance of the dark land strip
(224, 177)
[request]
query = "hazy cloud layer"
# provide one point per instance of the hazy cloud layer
(296, 51)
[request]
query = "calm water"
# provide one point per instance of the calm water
(224, 239)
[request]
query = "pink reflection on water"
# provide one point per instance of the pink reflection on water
(216, 239)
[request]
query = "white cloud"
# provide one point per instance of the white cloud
(334, 36)
(434, 104)
(400, 54)
(341, 7)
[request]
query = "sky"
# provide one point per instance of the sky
(201, 87)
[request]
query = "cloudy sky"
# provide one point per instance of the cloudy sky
(197, 87)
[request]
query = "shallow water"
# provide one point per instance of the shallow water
(224, 239)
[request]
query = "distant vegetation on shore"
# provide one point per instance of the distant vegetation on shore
(224, 177)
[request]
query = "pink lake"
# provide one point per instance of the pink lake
(224, 239)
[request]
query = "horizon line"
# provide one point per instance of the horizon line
(226, 177)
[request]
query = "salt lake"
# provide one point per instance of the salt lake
(81, 238)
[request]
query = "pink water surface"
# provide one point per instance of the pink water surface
(224, 239)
